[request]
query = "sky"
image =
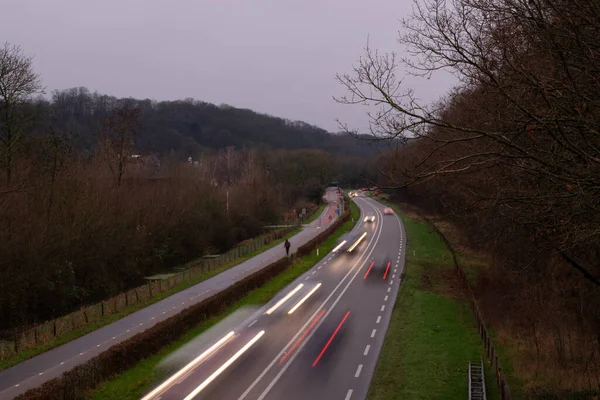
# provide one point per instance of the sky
(277, 57)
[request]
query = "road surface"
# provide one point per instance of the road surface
(51, 364)
(319, 338)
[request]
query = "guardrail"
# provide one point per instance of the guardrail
(46, 332)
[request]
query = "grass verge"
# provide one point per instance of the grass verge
(26, 354)
(140, 379)
(431, 337)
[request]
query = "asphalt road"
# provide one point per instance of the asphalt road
(51, 364)
(327, 348)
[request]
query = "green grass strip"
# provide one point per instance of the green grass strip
(107, 319)
(142, 378)
(431, 337)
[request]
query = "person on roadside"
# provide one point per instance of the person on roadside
(287, 246)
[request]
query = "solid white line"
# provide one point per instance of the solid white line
(373, 333)
(367, 350)
(378, 319)
(365, 256)
(382, 307)
(357, 374)
(348, 395)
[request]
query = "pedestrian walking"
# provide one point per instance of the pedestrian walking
(287, 246)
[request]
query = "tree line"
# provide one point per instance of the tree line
(512, 156)
(98, 192)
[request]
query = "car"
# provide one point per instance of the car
(369, 218)
(388, 211)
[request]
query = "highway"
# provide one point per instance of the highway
(319, 338)
(51, 364)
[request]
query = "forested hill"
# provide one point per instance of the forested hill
(187, 127)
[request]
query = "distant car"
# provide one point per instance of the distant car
(388, 211)
(369, 218)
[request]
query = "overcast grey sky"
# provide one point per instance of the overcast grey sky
(274, 56)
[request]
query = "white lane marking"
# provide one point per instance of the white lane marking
(307, 278)
(382, 307)
(393, 276)
(313, 272)
(141, 323)
(357, 373)
(391, 281)
(62, 363)
(389, 289)
(319, 267)
(378, 319)
(373, 333)
(152, 317)
(367, 350)
(127, 330)
(274, 381)
(17, 385)
(97, 345)
(40, 374)
(80, 354)
(252, 323)
(164, 312)
(385, 298)
(348, 395)
(114, 337)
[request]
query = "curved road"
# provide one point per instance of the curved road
(51, 364)
(319, 338)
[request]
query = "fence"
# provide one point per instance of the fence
(46, 332)
(479, 321)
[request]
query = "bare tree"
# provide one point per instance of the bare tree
(18, 83)
(117, 140)
(525, 108)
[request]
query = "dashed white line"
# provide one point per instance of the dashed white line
(97, 345)
(252, 323)
(41, 373)
(62, 363)
(141, 323)
(393, 276)
(80, 354)
(357, 373)
(183, 302)
(313, 272)
(367, 350)
(389, 289)
(152, 317)
(391, 281)
(382, 307)
(348, 395)
(373, 333)
(114, 337)
(164, 312)
(319, 267)
(127, 330)
(378, 319)
(307, 278)
(385, 298)
(17, 385)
